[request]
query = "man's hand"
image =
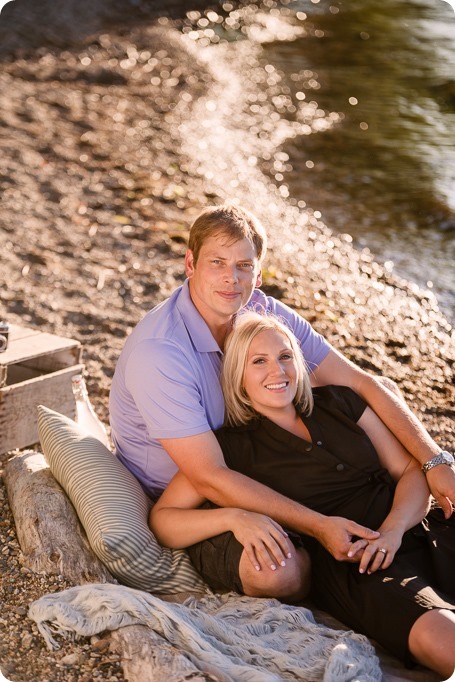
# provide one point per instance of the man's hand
(338, 536)
(441, 481)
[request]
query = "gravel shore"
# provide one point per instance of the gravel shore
(107, 153)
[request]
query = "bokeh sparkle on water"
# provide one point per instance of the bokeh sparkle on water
(359, 102)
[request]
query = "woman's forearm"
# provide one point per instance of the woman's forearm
(179, 528)
(263, 540)
(412, 495)
(410, 503)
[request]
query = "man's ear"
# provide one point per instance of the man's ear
(189, 263)
(259, 279)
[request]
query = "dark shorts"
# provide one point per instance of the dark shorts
(386, 604)
(217, 560)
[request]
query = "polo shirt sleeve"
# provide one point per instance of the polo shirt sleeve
(163, 384)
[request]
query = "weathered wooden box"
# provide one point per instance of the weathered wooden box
(35, 369)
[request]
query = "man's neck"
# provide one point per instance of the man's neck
(220, 332)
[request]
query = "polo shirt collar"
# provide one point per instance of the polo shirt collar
(197, 328)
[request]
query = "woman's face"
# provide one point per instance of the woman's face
(270, 376)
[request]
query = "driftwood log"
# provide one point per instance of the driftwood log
(145, 659)
(53, 541)
(51, 537)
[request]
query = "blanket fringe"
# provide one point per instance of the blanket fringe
(245, 639)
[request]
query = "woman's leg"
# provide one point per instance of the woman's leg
(290, 583)
(432, 641)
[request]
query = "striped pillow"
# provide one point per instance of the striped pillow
(113, 509)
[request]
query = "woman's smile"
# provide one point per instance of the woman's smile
(275, 387)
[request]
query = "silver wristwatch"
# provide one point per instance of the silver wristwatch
(442, 458)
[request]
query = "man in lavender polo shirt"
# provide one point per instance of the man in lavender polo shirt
(177, 393)
(165, 397)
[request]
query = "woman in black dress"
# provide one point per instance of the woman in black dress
(311, 447)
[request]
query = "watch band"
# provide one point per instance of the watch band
(442, 457)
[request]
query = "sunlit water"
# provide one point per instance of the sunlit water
(386, 172)
(383, 75)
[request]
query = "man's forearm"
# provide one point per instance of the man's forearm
(391, 409)
(333, 532)
(200, 459)
(229, 488)
(397, 416)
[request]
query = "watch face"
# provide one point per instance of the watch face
(442, 458)
(447, 458)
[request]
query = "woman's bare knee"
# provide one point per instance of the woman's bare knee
(432, 641)
(289, 583)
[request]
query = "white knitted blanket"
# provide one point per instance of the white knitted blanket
(241, 639)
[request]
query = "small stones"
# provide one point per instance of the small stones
(101, 645)
(72, 659)
(27, 641)
(20, 610)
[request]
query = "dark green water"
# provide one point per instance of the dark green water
(385, 171)
(383, 74)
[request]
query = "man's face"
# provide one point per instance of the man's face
(223, 279)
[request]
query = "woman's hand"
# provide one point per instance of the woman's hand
(264, 541)
(379, 554)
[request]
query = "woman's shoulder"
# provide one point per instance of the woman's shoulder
(228, 435)
(227, 431)
(341, 399)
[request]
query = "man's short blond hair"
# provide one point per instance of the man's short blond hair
(229, 220)
(247, 326)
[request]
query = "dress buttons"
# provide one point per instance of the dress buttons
(340, 467)
(319, 442)
(308, 448)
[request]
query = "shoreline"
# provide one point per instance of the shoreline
(102, 173)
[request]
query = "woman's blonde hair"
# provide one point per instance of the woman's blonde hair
(231, 221)
(246, 327)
